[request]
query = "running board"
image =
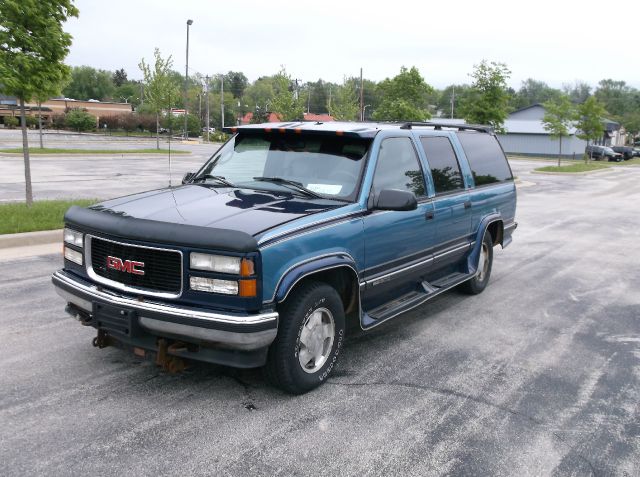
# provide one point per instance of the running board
(411, 300)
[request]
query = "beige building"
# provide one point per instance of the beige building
(9, 107)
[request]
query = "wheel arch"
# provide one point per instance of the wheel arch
(338, 271)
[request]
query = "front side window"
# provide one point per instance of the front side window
(329, 166)
(443, 163)
(398, 167)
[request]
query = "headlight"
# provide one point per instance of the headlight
(213, 285)
(215, 263)
(72, 237)
(73, 255)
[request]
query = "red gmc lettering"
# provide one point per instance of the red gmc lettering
(127, 266)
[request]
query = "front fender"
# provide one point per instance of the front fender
(309, 267)
(474, 256)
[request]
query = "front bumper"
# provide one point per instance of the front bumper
(195, 325)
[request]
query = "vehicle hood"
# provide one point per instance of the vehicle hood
(246, 210)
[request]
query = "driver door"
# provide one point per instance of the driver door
(397, 243)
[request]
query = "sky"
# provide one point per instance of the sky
(553, 41)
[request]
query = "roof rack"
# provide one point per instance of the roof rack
(459, 127)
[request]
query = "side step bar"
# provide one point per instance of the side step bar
(411, 300)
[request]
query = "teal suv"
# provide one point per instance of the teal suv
(290, 235)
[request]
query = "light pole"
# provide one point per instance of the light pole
(186, 80)
(364, 112)
(207, 102)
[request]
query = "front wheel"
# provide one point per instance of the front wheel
(311, 332)
(480, 280)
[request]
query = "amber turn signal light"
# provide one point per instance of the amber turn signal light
(248, 288)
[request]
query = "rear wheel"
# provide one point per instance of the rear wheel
(311, 332)
(480, 280)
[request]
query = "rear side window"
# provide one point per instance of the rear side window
(486, 159)
(443, 163)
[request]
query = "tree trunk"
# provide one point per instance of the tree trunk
(25, 149)
(560, 151)
(40, 123)
(158, 131)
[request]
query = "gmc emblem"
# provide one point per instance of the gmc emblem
(127, 266)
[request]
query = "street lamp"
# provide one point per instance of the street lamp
(186, 80)
(364, 112)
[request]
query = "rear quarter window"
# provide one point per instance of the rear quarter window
(486, 158)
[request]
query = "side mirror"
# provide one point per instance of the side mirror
(187, 177)
(393, 199)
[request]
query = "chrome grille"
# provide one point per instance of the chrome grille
(162, 268)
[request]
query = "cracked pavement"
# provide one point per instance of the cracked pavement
(538, 375)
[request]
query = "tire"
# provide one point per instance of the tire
(479, 282)
(311, 333)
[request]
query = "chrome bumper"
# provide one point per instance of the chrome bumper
(245, 332)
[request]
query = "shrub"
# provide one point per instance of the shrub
(80, 120)
(11, 122)
(32, 121)
(58, 121)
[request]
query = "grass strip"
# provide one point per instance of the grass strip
(42, 215)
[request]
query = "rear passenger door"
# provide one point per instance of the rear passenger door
(452, 204)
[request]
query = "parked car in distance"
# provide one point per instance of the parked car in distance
(636, 151)
(211, 130)
(602, 152)
(626, 151)
(288, 233)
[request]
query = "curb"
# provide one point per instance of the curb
(26, 239)
(585, 173)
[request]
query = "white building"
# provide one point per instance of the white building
(527, 136)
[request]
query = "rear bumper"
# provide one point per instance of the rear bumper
(195, 325)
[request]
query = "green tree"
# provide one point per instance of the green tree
(405, 97)
(33, 45)
(578, 92)
(489, 101)
(459, 94)
(236, 82)
(344, 102)
(119, 77)
(286, 103)
(533, 92)
(615, 96)
(90, 83)
(589, 124)
(80, 120)
(558, 116)
(160, 91)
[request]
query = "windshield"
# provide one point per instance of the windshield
(327, 166)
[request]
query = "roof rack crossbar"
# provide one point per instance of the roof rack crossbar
(439, 126)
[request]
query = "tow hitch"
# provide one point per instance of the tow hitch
(172, 364)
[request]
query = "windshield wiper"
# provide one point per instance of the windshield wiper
(219, 179)
(292, 184)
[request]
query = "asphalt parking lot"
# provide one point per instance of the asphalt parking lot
(100, 176)
(538, 375)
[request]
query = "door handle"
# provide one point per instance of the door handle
(428, 215)
(467, 204)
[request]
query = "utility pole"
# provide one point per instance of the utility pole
(207, 101)
(222, 99)
(361, 97)
(453, 98)
(186, 81)
(308, 100)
